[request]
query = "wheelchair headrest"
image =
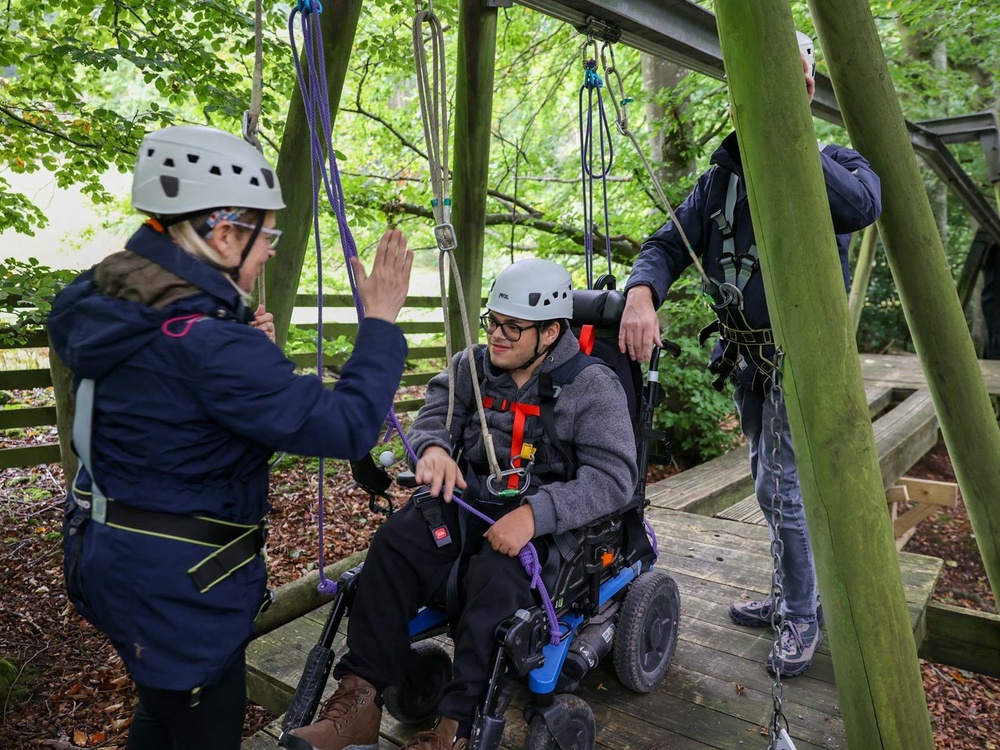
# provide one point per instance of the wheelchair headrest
(601, 308)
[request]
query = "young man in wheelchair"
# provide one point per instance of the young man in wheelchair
(585, 471)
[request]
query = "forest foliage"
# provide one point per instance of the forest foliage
(81, 82)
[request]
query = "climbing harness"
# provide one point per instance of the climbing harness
(233, 544)
(594, 167)
(741, 343)
(778, 737)
(313, 85)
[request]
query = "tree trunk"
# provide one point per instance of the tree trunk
(477, 42)
(338, 23)
(919, 266)
(62, 385)
(669, 134)
(875, 659)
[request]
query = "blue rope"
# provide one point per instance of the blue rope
(592, 86)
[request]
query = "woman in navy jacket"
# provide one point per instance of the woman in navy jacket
(182, 397)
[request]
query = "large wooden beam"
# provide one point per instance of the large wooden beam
(918, 264)
(875, 660)
(338, 24)
(477, 42)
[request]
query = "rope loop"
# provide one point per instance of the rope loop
(309, 6)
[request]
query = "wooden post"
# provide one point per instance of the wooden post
(919, 267)
(338, 22)
(477, 41)
(62, 385)
(862, 275)
(875, 660)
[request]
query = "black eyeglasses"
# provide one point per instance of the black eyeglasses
(509, 330)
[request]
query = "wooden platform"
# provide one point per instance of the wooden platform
(717, 692)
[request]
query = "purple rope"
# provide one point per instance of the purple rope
(529, 560)
(317, 105)
(652, 538)
(313, 84)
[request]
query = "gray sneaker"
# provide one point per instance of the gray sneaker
(799, 641)
(757, 614)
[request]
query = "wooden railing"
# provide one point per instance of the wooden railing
(419, 370)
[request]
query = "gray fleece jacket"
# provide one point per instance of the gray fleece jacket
(591, 418)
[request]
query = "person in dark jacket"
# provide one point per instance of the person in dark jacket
(180, 404)
(716, 219)
(528, 336)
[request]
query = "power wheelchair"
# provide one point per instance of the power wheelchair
(608, 597)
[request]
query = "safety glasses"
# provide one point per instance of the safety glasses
(272, 236)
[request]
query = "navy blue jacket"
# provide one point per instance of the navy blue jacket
(187, 413)
(855, 199)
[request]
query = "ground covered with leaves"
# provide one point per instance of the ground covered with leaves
(70, 689)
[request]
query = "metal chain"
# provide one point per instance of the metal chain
(777, 398)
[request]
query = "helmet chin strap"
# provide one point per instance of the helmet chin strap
(235, 272)
(537, 354)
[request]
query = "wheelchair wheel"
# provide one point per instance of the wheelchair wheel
(581, 725)
(416, 700)
(647, 631)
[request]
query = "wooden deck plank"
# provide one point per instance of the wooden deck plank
(698, 705)
(902, 436)
(904, 371)
(717, 484)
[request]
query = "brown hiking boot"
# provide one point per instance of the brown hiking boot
(441, 737)
(350, 721)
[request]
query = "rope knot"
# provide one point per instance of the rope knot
(326, 586)
(310, 6)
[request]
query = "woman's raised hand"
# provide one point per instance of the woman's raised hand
(383, 289)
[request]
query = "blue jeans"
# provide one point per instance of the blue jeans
(797, 566)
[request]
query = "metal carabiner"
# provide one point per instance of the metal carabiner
(522, 473)
(730, 294)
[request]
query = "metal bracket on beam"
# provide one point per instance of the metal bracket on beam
(600, 31)
(981, 126)
(498, 3)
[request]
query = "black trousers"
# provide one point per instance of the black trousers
(402, 572)
(165, 719)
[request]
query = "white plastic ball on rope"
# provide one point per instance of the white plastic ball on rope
(387, 459)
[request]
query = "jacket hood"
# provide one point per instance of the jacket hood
(727, 155)
(120, 305)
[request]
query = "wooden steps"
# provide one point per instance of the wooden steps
(717, 692)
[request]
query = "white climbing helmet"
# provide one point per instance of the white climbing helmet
(807, 48)
(533, 289)
(187, 168)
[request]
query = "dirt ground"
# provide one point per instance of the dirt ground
(71, 690)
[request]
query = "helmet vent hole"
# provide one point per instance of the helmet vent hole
(150, 151)
(169, 185)
(533, 298)
(237, 169)
(168, 163)
(216, 171)
(193, 158)
(268, 177)
(255, 182)
(547, 303)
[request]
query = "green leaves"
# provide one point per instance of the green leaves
(26, 294)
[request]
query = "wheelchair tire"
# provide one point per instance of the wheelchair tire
(582, 725)
(416, 700)
(647, 631)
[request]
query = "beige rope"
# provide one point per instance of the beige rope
(432, 87)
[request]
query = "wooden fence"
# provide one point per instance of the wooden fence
(418, 370)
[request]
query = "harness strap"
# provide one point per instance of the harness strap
(747, 262)
(521, 413)
(236, 544)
